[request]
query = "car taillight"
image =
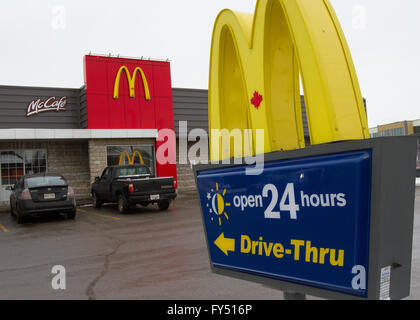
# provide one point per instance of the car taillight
(174, 184)
(70, 192)
(131, 188)
(26, 195)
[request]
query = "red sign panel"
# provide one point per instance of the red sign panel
(129, 94)
(105, 111)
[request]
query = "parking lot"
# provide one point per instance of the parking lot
(145, 254)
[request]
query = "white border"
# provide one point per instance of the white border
(62, 134)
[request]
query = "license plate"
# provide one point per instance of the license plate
(48, 196)
(154, 197)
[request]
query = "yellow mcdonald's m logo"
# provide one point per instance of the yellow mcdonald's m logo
(131, 82)
(254, 83)
(130, 159)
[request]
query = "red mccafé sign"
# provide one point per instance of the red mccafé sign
(51, 104)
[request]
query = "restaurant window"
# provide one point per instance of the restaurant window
(135, 154)
(17, 163)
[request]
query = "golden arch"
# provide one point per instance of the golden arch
(131, 82)
(132, 159)
(262, 55)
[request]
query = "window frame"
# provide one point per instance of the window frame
(24, 162)
(154, 171)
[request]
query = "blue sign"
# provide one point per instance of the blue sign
(304, 221)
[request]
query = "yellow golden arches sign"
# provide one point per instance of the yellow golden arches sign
(254, 76)
(130, 159)
(131, 82)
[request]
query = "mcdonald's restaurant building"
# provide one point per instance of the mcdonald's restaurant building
(114, 118)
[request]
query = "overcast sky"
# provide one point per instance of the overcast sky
(43, 42)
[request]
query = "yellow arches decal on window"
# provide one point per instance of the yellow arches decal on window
(132, 159)
(131, 82)
(254, 76)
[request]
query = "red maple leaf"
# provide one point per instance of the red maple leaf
(256, 99)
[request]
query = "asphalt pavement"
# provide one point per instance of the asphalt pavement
(145, 254)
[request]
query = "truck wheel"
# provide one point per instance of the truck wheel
(95, 201)
(163, 204)
(122, 204)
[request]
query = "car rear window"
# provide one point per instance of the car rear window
(132, 171)
(46, 181)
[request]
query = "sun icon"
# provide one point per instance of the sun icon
(217, 203)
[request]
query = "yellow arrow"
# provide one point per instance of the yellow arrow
(225, 244)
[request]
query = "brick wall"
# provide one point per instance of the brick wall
(81, 161)
(68, 158)
(97, 152)
(71, 160)
(186, 182)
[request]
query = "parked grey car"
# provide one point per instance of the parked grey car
(41, 193)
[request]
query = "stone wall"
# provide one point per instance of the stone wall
(68, 158)
(71, 159)
(186, 182)
(81, 161)
(97, 152)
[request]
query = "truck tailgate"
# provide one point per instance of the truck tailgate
(151, 186)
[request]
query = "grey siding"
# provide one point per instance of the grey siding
(304, 120)
(83, 108)
(14, 101)
(188, 105)
(192, 105)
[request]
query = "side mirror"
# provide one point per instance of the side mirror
(97, 179)
(10, 188)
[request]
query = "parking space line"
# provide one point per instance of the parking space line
(98, 214)
(3, 228)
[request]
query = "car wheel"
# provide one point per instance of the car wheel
(19, 219)
(95, 201)
(12, 212)
(163, 204)
(71, 215)
(122, 204)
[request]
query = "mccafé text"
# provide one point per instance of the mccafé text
(51, 104)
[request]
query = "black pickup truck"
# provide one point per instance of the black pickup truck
(132, 184)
